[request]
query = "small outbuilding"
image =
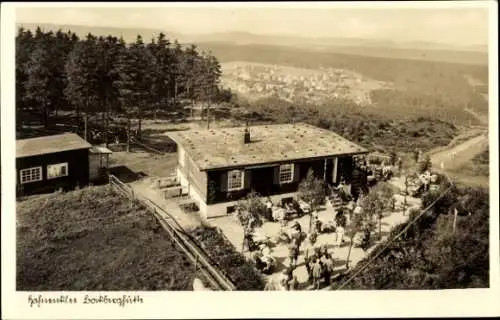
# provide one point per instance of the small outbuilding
(63, 161)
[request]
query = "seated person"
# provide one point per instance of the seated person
(259, 237)
(304, 206)
(278, 213)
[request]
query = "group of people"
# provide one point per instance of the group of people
(318, 261)
(279, 212)
(264, 260)
(320, 267)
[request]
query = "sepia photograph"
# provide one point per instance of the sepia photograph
(341, 147)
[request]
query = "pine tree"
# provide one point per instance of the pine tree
(161, 52)
(135, 76)
(124, 84)
(83, 78)
(144, 79)
(24, 49)
(189, 67)
(60, 47)
(38, 80)
(207, 80)
(108, 49)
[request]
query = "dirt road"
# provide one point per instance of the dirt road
(456, 156)
(481, 117)
(451, 159)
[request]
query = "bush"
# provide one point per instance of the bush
(252, 208)
(241, 271)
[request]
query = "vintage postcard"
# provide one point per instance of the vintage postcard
(188, 160)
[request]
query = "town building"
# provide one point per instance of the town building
(63, 161)
(219, 166)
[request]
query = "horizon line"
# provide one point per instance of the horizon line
(177, 32)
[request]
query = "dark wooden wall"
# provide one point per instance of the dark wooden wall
(78, 171)
(265, 180)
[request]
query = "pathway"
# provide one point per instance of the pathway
(458, 155)
(483, 119)
(147, 188)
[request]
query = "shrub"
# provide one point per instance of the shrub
(430, 254)
(241, 271)
(252, 208)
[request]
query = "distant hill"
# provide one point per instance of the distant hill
(416, 50)
(327, 42)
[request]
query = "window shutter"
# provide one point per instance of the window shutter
(247, 180)
(223, 181)
(296, 172)
(276, 179)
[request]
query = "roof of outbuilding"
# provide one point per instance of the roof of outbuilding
(224, 147)
(50, 144)
(100, 150)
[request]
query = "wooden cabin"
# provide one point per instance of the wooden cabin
(63, 161)
(219, 166)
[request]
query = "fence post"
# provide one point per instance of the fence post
(455, 213)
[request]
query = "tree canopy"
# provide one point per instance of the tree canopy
(59, 71)
(430, 255)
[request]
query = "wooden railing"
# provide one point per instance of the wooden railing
(192, 250)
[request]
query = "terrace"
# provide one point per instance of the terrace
(271, 231)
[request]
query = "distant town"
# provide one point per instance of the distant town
(255, 80)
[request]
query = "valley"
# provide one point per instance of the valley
(259, 80)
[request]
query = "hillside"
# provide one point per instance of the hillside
(368, 127)
(427, 51)
(92, 239)
(419, 88)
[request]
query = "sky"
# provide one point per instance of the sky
(464, 25)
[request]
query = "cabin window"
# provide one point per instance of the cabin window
(235, 180)
(182, 162)
(286, 173)
(57, 170)
(31, 174)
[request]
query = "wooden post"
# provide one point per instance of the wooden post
(455, 213)
(128, 134)
(324, 171)
(243, 243)
(208, 116)
(406, 194)
(349, 252)
(85, 130)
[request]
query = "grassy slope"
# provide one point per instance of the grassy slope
(92, 239)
